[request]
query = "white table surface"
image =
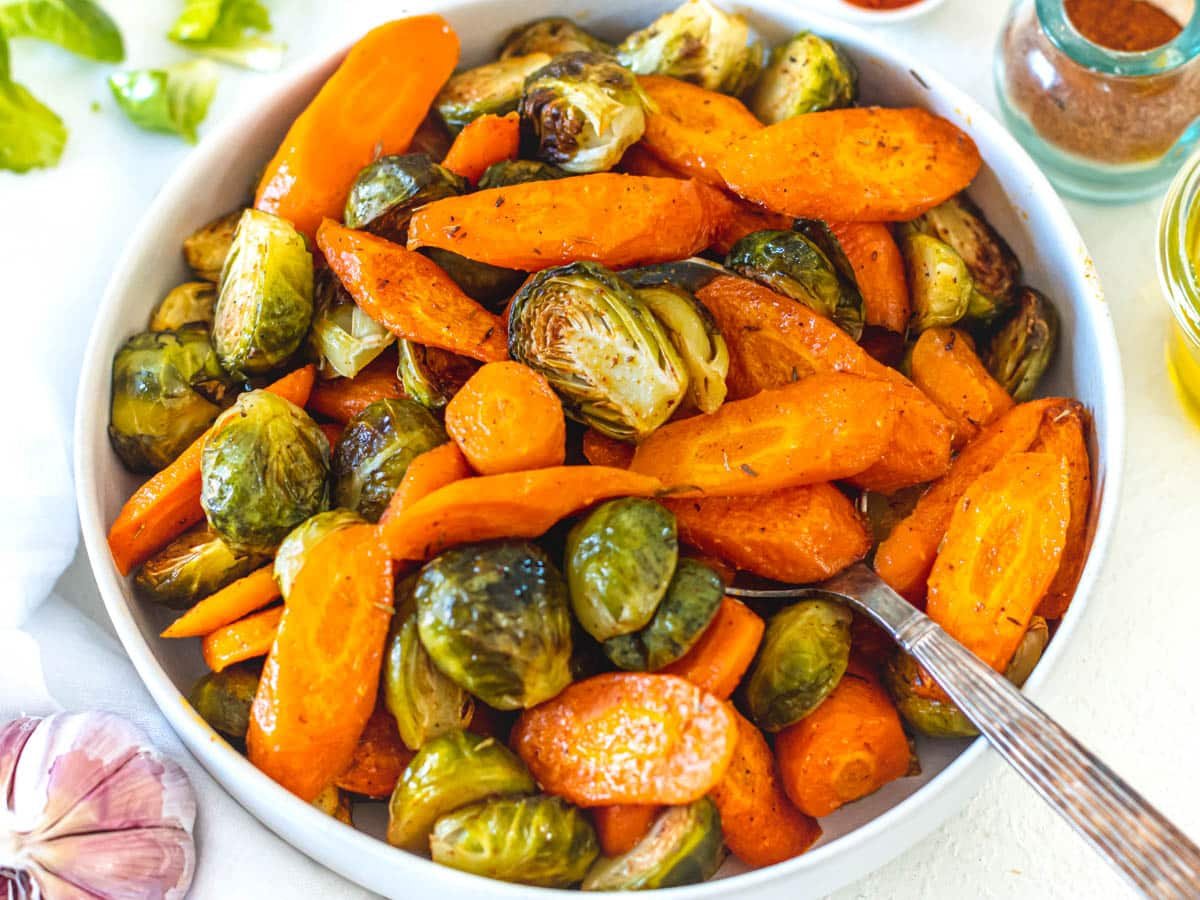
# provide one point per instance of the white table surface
(1127, 685)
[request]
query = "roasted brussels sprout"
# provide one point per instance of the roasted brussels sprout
(333, 801)
(1020, 352)
(494, 618)
(167, 387)
(691, 601)
(450, 772)
(802, 658)
(386, 192)
(791, 264)
(375, 450)
(289, 558)
(570, 322)
(554, 35)
(191, 303)
(223, 699)
(487, 284)
(491, 89)
(423, 701)
(264, 470)
(266, 300)
(619, 562)
(205, 250)
(582, 111)
(194, 565)
(518, 171)
(683, 846)
(699, 342)
(938, 280)
(432, 376)
(699, 43)
(344, 337)
(806, 74)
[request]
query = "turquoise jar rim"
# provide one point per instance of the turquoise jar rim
(1156, 61)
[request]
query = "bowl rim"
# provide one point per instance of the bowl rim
(225, 763)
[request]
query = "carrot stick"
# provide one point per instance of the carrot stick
(602, 450)
(245, 639)
(433, 469)
(946, 368)
(1064, 434)
(379, 760)
(168, 504)
(409, 294)
(719, 659)
(621, 826)
(341, 399)
(879, 272)
(484, 141)
(227, 605)
(371, 106)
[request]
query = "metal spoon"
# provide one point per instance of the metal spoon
(1154, 855)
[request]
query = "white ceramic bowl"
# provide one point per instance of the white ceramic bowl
(844, 9)
(1017, 199)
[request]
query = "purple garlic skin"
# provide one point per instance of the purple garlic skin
(90, 810)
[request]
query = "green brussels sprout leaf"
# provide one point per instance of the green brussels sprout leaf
(1020, 352)
(491, 286)
(695, 335)
(424, 702)
(683, 846)
(223, 699)
(294, 548)
(344, 337)
(805, 74)
(938, 279)
(80, 26)
(173, 100)
(518, 171)
(190, 303)
(432, 376)
(32, 136)
(491, 89)
(230, 31)
(194, 565)
(386, 192)
(207, 248)
(553, 36)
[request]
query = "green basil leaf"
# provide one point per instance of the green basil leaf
(31, 135)
(229, 30)
(174, 100)
(80, 26)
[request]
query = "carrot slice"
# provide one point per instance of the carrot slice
(433, 469)
(743, 219)
(946, 368)
(246, 638)
(409, 294)
(628, 737)
(617, 220)
(379, 759)
(602, 450)
(879, 272)
(320, 680)
(371, 106)
(341, 399)
(719, 659)
(621, 826)
(227, 605)
(637, 160)
(168, 504)
(866, 164)
(484, 141)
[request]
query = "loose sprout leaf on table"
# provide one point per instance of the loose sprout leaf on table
(80, 26)
(230, 31)
(32, 136)
(173, 100)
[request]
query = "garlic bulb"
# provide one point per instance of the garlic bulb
(89, 809)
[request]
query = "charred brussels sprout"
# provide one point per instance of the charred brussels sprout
(194, 565)
(167, 387)
(1025, 658)
(223, 699)
(939, 282)
(264, 470)
(494, 88)
(802, 658)
(431, 376)
(1020, 352)
(806, 74)
(289, 558)
(554, 35)
(191, 303)
(494, 618)
(539, 841)
(619, 561)
(344, 337)
(335, 802)
(448, 773)
(570, 322)
(375, 450)
(696, 338)
(205, 250)
(698, 43)
(508, 172)
(687, 608)
(487, 284)
(386, 192)
(423, 701)
(266, 300)
(683, 846)
(583, 110)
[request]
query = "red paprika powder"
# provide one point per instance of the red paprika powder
(1125, 25)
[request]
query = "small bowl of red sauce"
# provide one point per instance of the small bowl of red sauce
(878, 11)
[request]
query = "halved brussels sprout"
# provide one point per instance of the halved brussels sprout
(583, 110)
(554, 35)
(374, 452)
(266, 300)
(494, 88)
(487, 284)
(386, 192)
(619, 562)
(570, 322)
(539, 841)
(206, 248)
(1020, 352)
(883, 512)
(791, 264)
(449, 772)
(518, 171)
(431, 376)
(433, 138)
(223, 698)
(803, 656)
(806, 74)
(695, 335)
(938, 279)
(167, 388)
(289, 558)
(698, 43)
(691, 601)
(424, 702)
(333, 801)
(194, 565)
(344, 337)
(683, 846)
(191, 303)
(264, 470)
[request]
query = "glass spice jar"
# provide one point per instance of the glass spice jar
(1104, 124)
(1179, 276)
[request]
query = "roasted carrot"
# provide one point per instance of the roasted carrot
(742, 219)
(879, 272)
(865, 164)
(628, 737)
(759, 822)
(601, 450)
(798, 534)
(719, 659)
(372, 105)
(484, 141)
(246, 638)
(168, 504)
(621, 826)
(409, 294)
(617, 220)
(637, 160)
(433, 469)
(946, 368)
(507, 418)
(379, 759)
(341, 399)
(227, 605)
(822, 428)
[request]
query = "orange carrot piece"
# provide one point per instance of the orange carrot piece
(628, 737)
(617, 220)
(1064, 434)
(602, 450)
(743, 219)
(371, 106)
(379, 759)
(246, 638)
(168, 504)
(484, 141)
(947, 370)
(865, 164)
(637, 160)
(759, 822)
(409, 294)
(227, 605)
(320, 680)
(719, 659)
(433, 469)
(621, 826)
(879, 272)
(341, 399)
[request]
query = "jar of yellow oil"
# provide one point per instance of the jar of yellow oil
(1179, 273)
